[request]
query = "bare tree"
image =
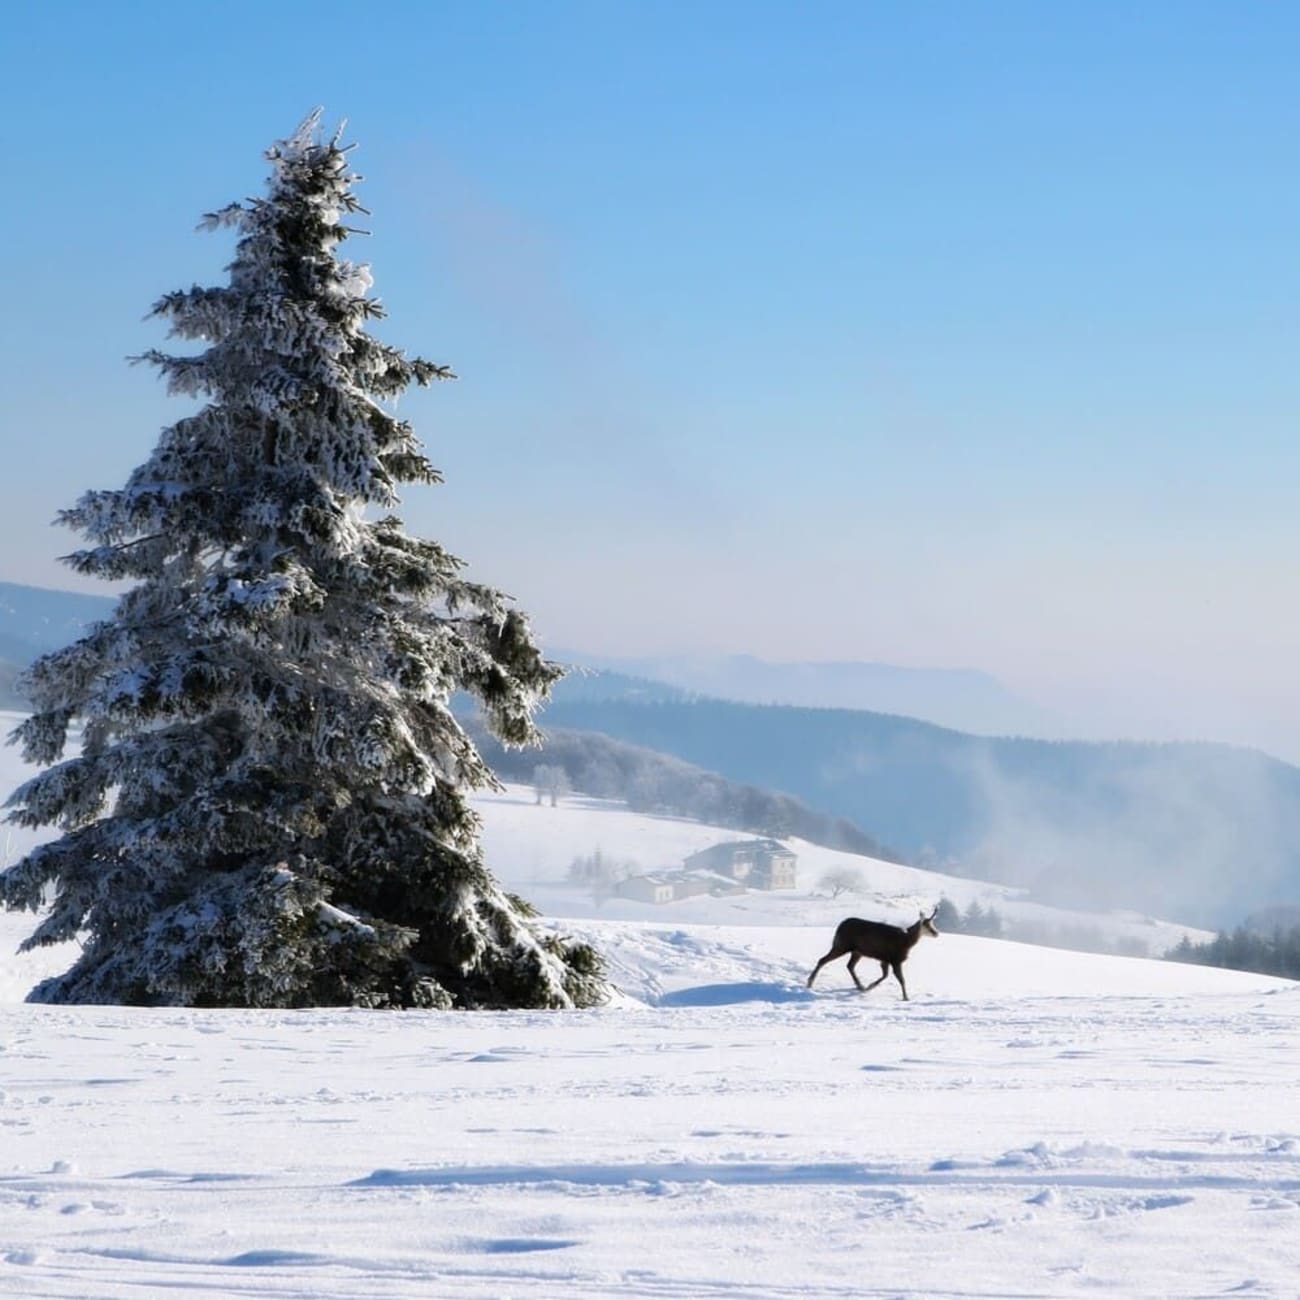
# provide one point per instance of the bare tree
(599, 872)
(842, 880)
(541, 778)
(551, 782)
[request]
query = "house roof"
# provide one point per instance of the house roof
(766, 845)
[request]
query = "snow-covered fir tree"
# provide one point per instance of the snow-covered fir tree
(269, 803)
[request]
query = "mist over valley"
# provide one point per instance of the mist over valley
(1200, 833)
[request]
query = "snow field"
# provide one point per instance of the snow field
(1033, 1123)
(1127, 1128)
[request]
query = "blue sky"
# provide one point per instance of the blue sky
(938, 334)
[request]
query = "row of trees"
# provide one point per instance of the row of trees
(1275, 953)
(600, 872)
(991, 924)
(976, 919)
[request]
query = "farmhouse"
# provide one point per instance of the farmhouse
(729, 868)
(760, 864)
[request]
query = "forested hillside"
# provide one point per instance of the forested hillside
(1202, 832)
(659, 783)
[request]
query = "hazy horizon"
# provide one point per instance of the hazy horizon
(934, 336)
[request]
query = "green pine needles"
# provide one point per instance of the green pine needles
(268, 808)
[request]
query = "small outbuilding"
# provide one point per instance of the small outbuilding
(657, 887)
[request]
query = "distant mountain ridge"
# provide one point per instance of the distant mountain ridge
(35, 620)
(963, 698)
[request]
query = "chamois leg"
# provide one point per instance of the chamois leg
(884, 970)
(898, 975)
(830, 956)
(853, 961)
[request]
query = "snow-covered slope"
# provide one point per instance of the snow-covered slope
(1033, 1122)
(531, 846)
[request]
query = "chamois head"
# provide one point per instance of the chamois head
(927, 923)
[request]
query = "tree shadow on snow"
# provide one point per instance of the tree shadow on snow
(722, 995)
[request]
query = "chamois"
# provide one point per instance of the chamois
(887, 944)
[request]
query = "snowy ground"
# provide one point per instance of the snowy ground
(1032, 1123)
